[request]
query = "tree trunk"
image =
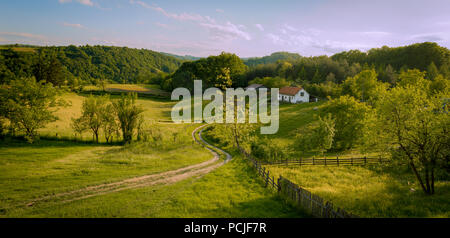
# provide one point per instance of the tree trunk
(427, 179)
(432, 180)
(413, 167)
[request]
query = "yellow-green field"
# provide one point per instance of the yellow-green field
(370, 191)
(48, 168)
(156, 111)
(151, 89)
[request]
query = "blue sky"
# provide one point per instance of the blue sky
(246, 27)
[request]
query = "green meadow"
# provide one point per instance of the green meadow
(60, 162)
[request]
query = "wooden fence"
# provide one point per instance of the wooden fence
(329, 161)
(314, 204)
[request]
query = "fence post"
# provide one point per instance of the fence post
(365, 160)
(325, 161)
(313, 160)
(337, 160)
(301, 161)
(267, 178)
(279, 184)
(351, 159)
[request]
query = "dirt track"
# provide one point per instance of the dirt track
(167, 177)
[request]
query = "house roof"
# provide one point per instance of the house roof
(292, 91)
(255, 86)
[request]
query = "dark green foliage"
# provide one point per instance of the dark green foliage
(222, 71)
(86, 63)
(49, 69)
(283, 56)
(417, 56)
(388, 63)
(28, 105)
(128, 114)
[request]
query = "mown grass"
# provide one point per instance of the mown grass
(230, 191)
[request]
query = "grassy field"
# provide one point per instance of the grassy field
(230, 191)
(155, 110)
(48, 167)
(152, 89)
(373, 191)
(19, 48)
(370, 191)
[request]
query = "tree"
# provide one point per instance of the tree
(49, 69)
(109, 123)
(432, 71)
(439, 85)
(318, 135)
(316, 78)
(390, 75)
(415, 78)
(92, 115)
(364, 86)
(350, 117)
(29, 105)
(128, 114)
(416, 127)
(331, 78)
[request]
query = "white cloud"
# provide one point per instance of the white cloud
(24, 35)
(221, 32)
(375, 33)
(73, 25)
(290, 28)
(220, 10)
(307, 39)
(432, 37)
(181, 17)
(84, 2)
(229, 31)
(260, 27)
(161, 25)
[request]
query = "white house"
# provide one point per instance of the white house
(293, 95)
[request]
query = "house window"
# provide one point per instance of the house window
(302, 94)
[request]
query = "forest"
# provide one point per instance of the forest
(78, 65)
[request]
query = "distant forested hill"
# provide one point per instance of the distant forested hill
(183, 57)
(283, 56)
(87, 63)
(388, 63)
(418, 56)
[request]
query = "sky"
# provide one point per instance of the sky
(248, 28)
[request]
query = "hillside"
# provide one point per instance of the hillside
(87, 63)
(273, 58)
(182, 57)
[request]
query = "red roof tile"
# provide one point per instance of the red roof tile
(292, 91)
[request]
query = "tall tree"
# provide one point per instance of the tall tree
(128, 113)
(29, 105)
(432, 71)
(416, 127)
(92, 115)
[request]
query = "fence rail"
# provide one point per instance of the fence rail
(329, 161)
(303, 198)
